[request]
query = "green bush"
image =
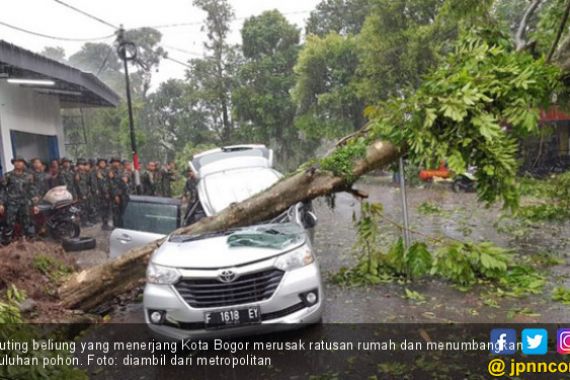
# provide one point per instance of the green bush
(51, 267)
(13, 329)
(463, 264)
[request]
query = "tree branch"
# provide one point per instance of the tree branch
(520, 36)
(560, 32)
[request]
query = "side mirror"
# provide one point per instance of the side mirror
(309, 220)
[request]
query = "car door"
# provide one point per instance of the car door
(146, 219)
(123, 240)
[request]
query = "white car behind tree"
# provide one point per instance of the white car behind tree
(245, 280)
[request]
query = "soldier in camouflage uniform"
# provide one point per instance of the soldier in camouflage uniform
(130, 175)
(83, 189)
(54, 178)
(18, 194)
(119, 191)
(103, 187)
(158, 178)
(150, 180)
(190, 193)
(40, 178)
(67, 176)
(93, 216)
(167, 177)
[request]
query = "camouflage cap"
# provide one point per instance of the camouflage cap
(19, 158)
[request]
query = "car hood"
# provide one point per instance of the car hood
(220, 251)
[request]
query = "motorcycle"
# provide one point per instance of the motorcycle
(60, 214)
(465, 182)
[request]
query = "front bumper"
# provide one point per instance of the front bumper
(284, 310)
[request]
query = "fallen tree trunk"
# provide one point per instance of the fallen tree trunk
(100, 284)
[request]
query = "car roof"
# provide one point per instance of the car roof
(231, 157)
(154, 200)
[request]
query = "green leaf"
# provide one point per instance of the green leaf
(456, 162)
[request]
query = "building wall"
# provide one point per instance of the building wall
(25, 110)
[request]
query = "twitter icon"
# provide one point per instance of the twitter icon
(534, 341)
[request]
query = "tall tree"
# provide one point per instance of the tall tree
(149, 54)
(339, 16)
(401, 40)
(56, 53)
(107, 129)
(262, 101)
(214, 74)
(325, 92)
(175, 118)
(100, 59)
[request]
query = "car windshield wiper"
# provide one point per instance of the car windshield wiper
(188, 238)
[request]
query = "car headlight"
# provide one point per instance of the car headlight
(295, 259)
(157, 274)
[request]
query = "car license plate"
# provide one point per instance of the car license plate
(234, 317)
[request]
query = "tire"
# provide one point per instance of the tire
(463, 185)
(65, 230)
(79, 244)
(456, 186)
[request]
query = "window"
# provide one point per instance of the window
(151, 217)
(30, 145)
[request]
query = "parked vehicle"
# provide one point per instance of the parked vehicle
(428, 175)
(240, 281)
(465, 182)
(59, 214)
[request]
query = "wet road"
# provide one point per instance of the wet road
(462, 217)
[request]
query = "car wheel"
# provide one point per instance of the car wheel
(65, 230)
(82, 243)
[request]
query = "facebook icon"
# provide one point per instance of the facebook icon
(503, 341)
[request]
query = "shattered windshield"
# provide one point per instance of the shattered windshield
(275, 236)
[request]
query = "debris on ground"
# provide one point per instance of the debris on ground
(36, 268)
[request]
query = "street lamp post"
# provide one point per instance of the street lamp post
(127, 51)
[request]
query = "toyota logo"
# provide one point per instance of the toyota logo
(227, 276)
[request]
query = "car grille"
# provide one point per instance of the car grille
(251, 287)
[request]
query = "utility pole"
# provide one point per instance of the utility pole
(127, 51)
(404, 196)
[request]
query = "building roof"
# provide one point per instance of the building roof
(553, 114)
(74, 87)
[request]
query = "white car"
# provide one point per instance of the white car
(241, 281)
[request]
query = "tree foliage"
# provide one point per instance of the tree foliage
(174, 118)
(471, 110)
(105, 131)
(262, 101)
(56, 53)
(401, 41)
(325, 93)
(343, 17)
(214, 75)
